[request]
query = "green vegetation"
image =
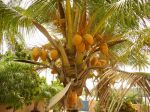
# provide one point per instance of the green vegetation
(21, 85)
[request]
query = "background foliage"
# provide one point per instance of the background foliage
(20, 83)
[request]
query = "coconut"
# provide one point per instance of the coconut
(89, 39)
(54, 54)
(43, 55)
(104, 49)
(77, 39)
(36, 53)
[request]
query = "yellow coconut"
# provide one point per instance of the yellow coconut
(36, 53)
(77, 39)
(54, 54)
(89, 39)
(43, 55)
(104, 49)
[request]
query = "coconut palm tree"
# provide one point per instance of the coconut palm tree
(91, 39)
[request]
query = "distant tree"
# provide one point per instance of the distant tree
(21, 85)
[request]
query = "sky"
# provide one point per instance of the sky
(38, 39)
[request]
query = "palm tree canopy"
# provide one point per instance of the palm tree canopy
(118, 33)
(115, 17)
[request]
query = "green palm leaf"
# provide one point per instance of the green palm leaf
(42, 11)
(11, 20)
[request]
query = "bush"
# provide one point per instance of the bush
(20, 83)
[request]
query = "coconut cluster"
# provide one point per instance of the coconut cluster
(42, 53)
(82, 43)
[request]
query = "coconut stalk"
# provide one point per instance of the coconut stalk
(69, 27)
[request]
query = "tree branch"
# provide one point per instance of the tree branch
(31, 62)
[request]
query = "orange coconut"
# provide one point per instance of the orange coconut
(77, 39)
(36, 53)
(54, 54)
(104, 49)
(89, 39)
(43, 55)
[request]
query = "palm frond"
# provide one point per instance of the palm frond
(123, 13)
(13, 24)
(141, 74)
(43, 11)
(106, 87)
(11, 20)
(136, 53)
